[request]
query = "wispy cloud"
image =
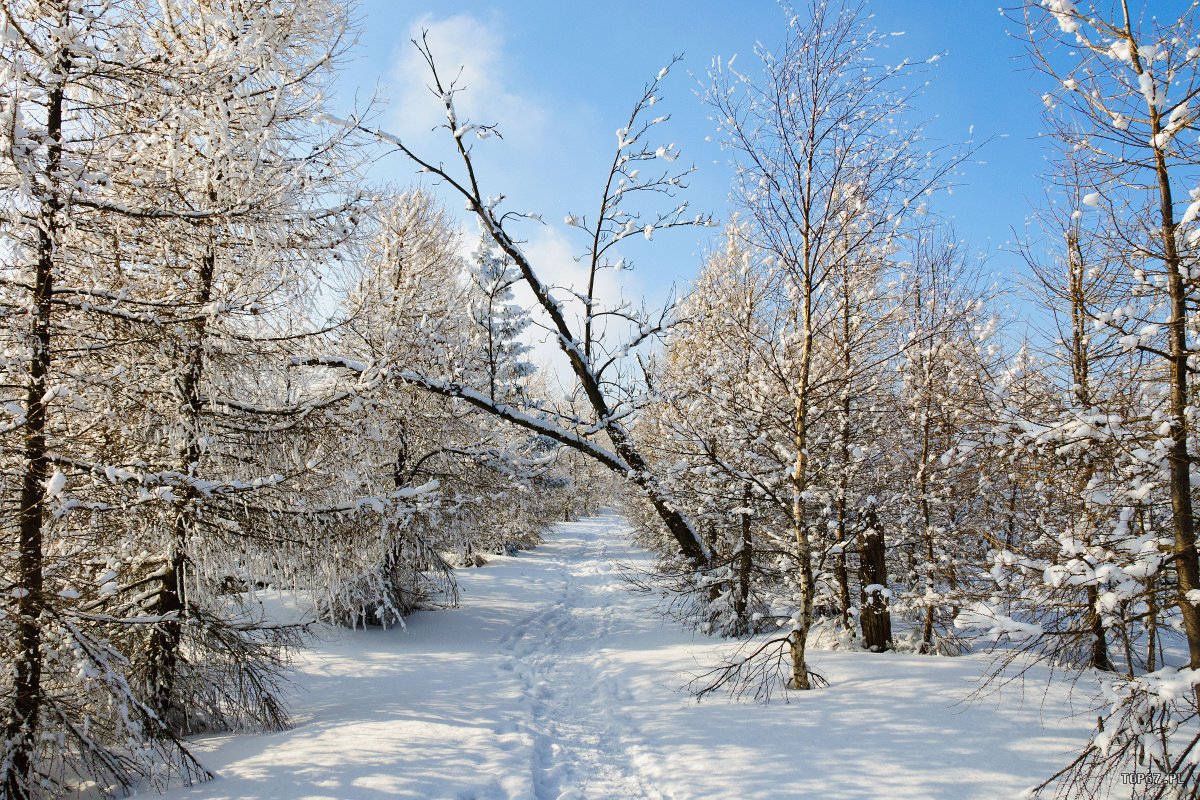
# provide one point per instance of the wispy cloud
(471, 52)
(474, 53)
(554, 254)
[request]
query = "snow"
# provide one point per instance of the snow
(1121, 50)
(1065, 14)
(55, 484)
(554, 680)
(1149, 90)
(1193, 209)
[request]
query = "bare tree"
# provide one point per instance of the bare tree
(595, 360)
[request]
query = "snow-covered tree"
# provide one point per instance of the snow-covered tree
(501, 321)
(711, 428)
(596, 360)
(69, 709)
(170, 206)
(828, 176)
(233, 139)
(938, 501)
(483, 486)
(1120, 93)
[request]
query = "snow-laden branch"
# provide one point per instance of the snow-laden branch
(611, 223)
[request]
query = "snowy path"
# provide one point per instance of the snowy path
(584, 743)
(554, 682)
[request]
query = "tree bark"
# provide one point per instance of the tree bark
(840, 572)
(874, 615)
(1187, 565)
(171, 601)
(21, 730)
(1098, 656)
(577, 350)
(741, 597)
(802, 621)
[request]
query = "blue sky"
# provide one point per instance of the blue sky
(560, 77)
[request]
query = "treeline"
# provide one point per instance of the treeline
(876, 458)
(184, 247)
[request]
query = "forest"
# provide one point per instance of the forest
(235, 362)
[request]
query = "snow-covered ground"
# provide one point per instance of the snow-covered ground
(553, 681)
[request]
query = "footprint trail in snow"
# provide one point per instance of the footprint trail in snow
(585, 743)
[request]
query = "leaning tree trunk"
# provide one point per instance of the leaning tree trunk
(628, 462)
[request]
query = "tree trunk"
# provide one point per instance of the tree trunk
(927, 634)
(638, 473)
(1151, 626)
(21, 728)
(1081, 371)
(802, 621)
(171, 601)
(1098, 651)
(928, 645)
(741, 597)
(678, 525)
(875, 617)
(1187, 566)
(927, 624)
(400, 476)
(840, 572)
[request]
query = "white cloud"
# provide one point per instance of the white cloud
(471, 53)
(553, 251)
